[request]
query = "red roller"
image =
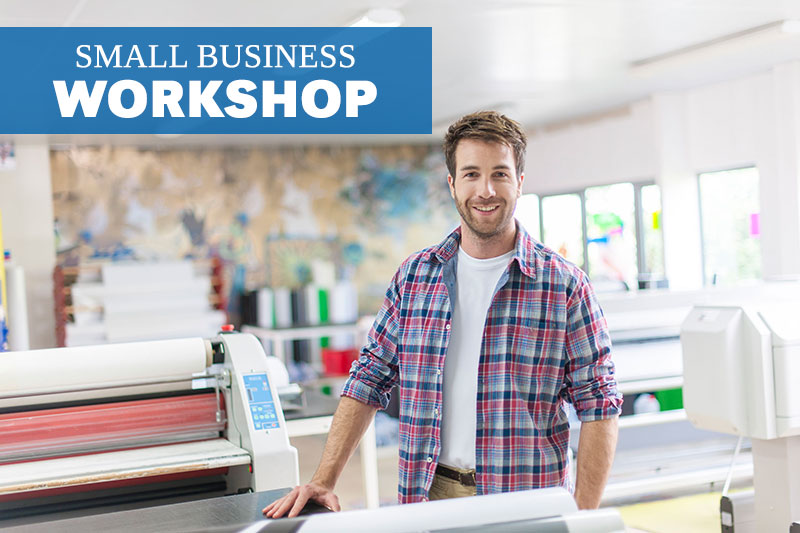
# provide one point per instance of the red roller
(72, 430)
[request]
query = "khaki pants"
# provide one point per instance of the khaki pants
(444, 488)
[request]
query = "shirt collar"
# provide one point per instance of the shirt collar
(525, 250)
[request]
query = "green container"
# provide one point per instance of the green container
(323, 315)
(670, 399)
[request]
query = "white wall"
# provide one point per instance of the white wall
(26, 205)
(588, 153)
(778, 160)
(680, 219)
(672, 137)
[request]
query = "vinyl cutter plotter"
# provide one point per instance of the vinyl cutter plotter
(109, 425)
(741, 371)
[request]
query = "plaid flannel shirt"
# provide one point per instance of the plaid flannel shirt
(545, 343)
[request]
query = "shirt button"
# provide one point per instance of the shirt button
(438, 372)
(436, 412)
(430, 459)
(447, 326)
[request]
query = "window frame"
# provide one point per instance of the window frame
(582, 198)
(698, 174)
(638, 185)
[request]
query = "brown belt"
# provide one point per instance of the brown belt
(465, 478)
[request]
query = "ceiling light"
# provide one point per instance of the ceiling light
(790, 26)
(731, 48)
(379, 18)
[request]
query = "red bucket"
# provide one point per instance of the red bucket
(337, 362)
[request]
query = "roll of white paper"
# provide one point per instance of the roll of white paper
(62, 368)
(278, 375)
(343, 309)
(283, 307)
(17, 312)
(311, 294)
(449, 514)
(264, 318)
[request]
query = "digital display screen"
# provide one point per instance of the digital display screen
(259, 398)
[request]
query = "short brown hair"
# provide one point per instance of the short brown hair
(488, 126)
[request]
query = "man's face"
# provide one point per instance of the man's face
(485, 187)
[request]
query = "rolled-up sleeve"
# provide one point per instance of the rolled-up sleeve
(375, 372)
(590, 383)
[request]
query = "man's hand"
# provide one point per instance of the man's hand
(296, 500)
(349, 423)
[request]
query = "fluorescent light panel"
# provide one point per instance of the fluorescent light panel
(379, 18)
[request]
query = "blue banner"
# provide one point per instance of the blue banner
(215, 80)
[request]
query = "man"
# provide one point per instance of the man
(487, 334)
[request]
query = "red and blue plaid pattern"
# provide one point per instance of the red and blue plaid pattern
(545, 343)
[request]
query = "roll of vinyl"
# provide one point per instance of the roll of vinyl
(343, 309)
(299, 308)
(343, 303)
(62, 368)
(17, 311)
(283, 307)
(265, 317)
(311, 293)
(278, 375)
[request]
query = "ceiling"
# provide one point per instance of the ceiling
(540, 61)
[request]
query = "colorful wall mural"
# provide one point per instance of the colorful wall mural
(269, 212)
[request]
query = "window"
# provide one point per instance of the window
(651, 257)
(527, 212)
(611, 236)
(624, 246)
(729, 219)
(562, 226)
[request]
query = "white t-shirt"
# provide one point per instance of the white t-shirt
(476, 280)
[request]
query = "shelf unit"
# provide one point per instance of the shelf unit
(64, 276)
(278, 336)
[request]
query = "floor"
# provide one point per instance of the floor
(698, 513)
(688, 514)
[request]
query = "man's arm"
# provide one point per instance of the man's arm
(349, 424)
(598, 441)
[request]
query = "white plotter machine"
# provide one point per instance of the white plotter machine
(115, 426)
(741, 371)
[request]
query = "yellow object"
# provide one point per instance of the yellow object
(656, 219)
(689, 514)
(3, 289)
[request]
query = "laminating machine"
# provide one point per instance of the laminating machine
(97, 428)
(136, 437)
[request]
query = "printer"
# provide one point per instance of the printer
(741, 368)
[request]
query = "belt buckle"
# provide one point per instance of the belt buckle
(467, 478)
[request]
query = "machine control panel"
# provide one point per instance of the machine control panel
(259, 398)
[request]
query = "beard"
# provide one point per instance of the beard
(486, 229)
